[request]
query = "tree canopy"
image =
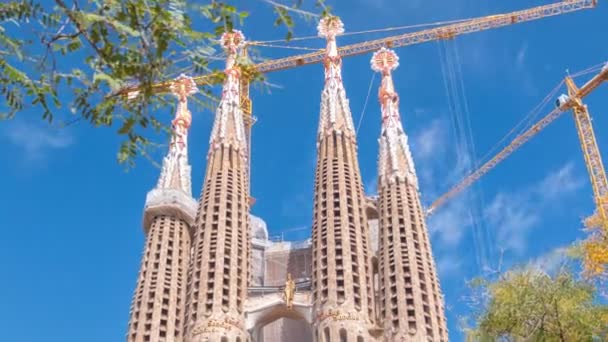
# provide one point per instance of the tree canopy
(117, 43)
(530, 305)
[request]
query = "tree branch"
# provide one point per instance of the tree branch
(80, 27)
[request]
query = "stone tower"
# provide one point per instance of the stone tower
(157, 309)
(343, 302)
(411, 303)
(218, 274)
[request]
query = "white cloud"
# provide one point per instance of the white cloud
(36, 141)
(448, 225)
(429, 150)
(560, 182)
(552, 261)
(448, 266)
(430, 141)
(513, 214)
(508, 220)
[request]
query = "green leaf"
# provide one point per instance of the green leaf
(117, 25)
(101, 76)
(127, 126)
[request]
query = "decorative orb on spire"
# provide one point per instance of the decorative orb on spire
(182, 87)
(231, 41)
(330, 26)
(384, 61)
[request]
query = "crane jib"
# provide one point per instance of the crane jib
(585, 90)
(432, 34)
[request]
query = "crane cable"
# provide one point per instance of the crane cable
(526, 121)
(484, 238)
(589, 70)
(387, 29)
(460, 122)
(369, 91)
(516, 130)
(285, 47)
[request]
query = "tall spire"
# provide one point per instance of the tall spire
(229, 127)
(412, 303)
(335, 109)
(168, 218)
(218, 275)
(395, 160)
(343, 299)
(175, 172)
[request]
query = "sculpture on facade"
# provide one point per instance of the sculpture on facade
(289, 291)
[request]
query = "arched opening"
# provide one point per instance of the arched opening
(287, 329)
(277, 323)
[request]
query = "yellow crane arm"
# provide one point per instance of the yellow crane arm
(437, 33)
(569, 103)
(591, 153)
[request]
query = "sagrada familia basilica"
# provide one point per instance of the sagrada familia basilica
(210, 273)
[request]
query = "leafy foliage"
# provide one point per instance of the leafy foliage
(596, 255)
(529, 305)
(594, 250)
(117, 43)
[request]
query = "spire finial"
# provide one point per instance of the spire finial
(330, 27)
(231, 42)
(182, 87)
(384, 61)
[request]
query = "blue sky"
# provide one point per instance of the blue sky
(71, 216)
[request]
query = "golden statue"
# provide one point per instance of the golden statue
(289, 291)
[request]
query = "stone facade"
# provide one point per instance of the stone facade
(218, 275)
(342, 271)
(411, 306)
(212, 274)
(157, 310)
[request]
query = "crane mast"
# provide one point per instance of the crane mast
(593, 158)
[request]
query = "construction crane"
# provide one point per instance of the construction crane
(412, 38)
(437, 33)
(572, 101)
(595, 248)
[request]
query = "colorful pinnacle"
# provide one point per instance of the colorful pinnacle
(330, 26)
(232, 41)
(183, 87)
(384, 61)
